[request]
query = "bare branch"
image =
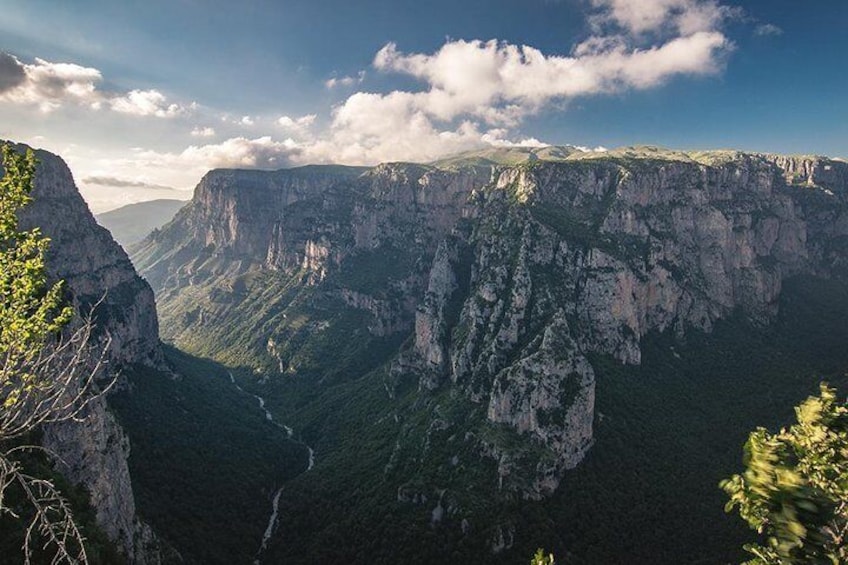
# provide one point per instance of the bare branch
(71, 374)
(53, 520)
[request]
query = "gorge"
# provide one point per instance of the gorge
(484, 351)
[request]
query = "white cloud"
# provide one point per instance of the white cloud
(50, 86)
(651, 16)
(239, 152)
(203, 132)
(767, 29)
(369, 128)
(246, 121)
(500, 83)
(474, 91)
(262, 152)
(146, 103)
(498, 138)
(473, 83)
(345, 81)
(298, 125)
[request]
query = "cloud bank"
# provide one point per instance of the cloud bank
(475, 93)
(123, 183)
(50, 86)
(470, 94)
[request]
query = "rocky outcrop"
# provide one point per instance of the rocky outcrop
(589, 256)
(100, 279)
(511, 277)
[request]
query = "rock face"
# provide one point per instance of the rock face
(97, 271)
(509, 278)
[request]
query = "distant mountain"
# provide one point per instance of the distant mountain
(131, 223)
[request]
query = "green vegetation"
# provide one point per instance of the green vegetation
(541, 558)
(629, 502)
(794, 490)
(44, 378)
(371, 271)
(98, 548)
(31, 312)
(205, 462)
(668, 431)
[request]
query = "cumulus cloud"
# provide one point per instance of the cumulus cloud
(345, 81)
(146, 103)
(501, 83)
(12, 72)
(474, 92)
(49, 86)
(203, 132)
(123, 183)
(236, 152)
(261, 152)
(767, 29)
(370, 128)
(653, 16)
(246, 121)
(298, 125)
(499, 138)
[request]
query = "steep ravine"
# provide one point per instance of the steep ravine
(94, 451)
(464, 307)
(517, 272)
(275, 500)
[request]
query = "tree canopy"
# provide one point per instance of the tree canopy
(794, 490)
(47, 369)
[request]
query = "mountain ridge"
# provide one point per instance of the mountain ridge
(131, 223)
(504, 276)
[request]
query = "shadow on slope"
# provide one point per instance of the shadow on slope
(205, 461)
(667, 433)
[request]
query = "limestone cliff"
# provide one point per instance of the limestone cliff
(509, 277)
(592, 254)
(97, 271)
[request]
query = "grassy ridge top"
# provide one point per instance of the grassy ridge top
(510, 156)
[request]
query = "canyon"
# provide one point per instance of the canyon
(446, 336)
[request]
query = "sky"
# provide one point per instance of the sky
(142, 98)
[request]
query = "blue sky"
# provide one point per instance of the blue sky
(142, 97)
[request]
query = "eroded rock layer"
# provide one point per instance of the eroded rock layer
(508, 278)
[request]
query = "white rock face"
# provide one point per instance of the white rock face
(578, 258)
(94, 452)
(430, 322)
(515, 276)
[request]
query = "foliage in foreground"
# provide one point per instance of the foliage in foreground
(794, 490)
(541, 558)
(45, 375)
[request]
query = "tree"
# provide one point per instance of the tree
(540, 558)
(48, 367)
(794, 490)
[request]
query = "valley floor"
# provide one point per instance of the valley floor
(666, 433)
